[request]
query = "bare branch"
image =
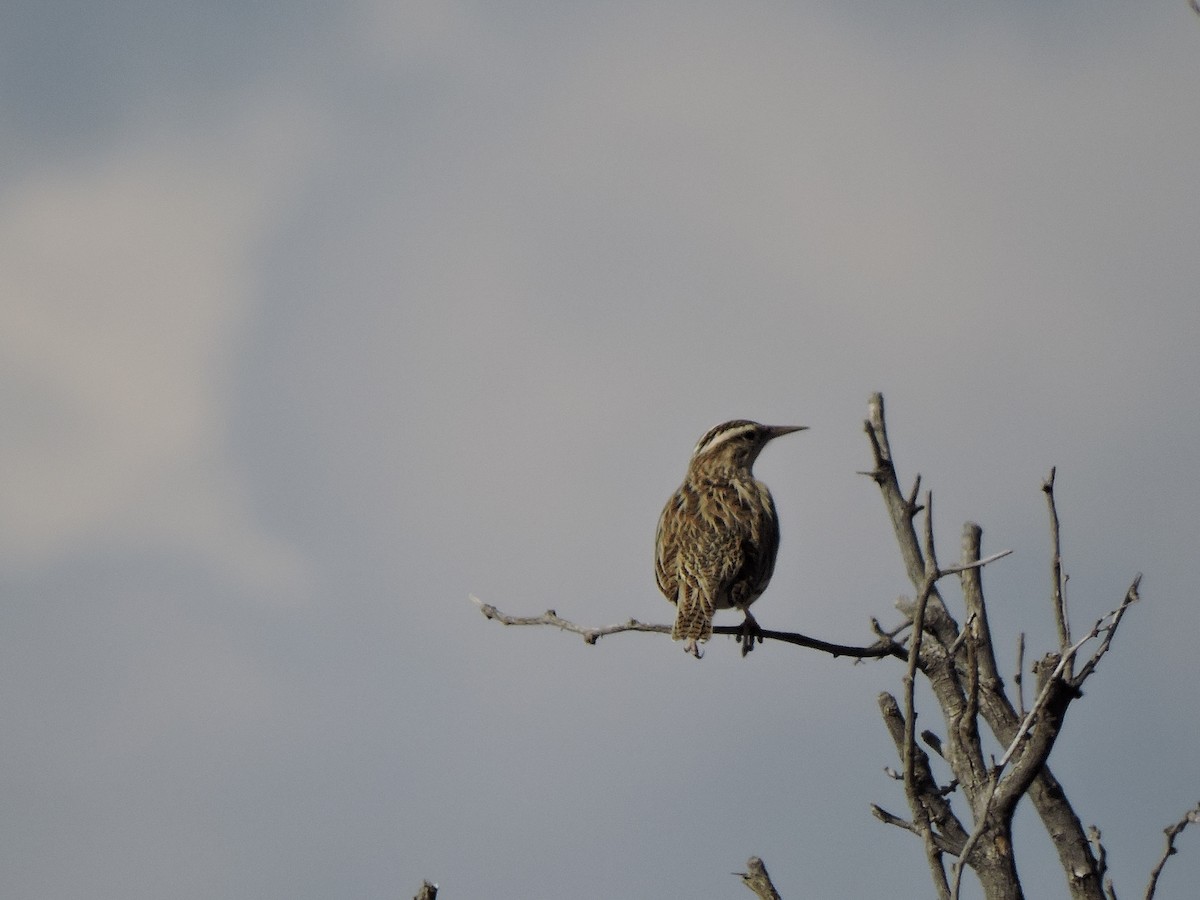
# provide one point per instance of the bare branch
(1061, 621)
(1056, 678)
(1131, 597)
(888, 637)
(888, 818)
(1110, 892)
(756, 879)
(1049, 684)
(1019, 677)
(949, 674)
(931, 567)
(982, 674)
(976, 564)
(950, 834)
(592, 633)
(933, 742)
(900, 508)
(976, 834)
(1172, 832)
(921, 823)
(962, 635)
(1004, 794)
(977, 618)
(878, 650)
(913, 506)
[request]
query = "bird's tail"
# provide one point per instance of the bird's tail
(693, 617)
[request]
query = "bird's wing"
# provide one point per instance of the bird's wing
(666, 544)
(758, 553)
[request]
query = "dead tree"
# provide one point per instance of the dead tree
(963, 817)
(959, 663)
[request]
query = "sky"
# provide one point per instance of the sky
(319, 319)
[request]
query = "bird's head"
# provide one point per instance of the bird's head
(736, 444)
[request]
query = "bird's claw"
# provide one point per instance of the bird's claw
(749, 635)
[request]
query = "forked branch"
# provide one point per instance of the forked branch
(1058, 684)
(1109, 631)
(960, 665)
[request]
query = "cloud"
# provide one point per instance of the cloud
(127, 281)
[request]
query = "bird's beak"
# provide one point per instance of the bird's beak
(779, 430)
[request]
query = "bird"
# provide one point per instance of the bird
(719, 533)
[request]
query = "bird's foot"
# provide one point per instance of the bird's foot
(691, 647)
(750, 633)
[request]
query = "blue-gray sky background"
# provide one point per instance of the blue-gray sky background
(317, 319)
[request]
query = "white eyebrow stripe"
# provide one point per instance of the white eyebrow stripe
(725, 436)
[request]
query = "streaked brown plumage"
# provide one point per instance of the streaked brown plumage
(718, 534)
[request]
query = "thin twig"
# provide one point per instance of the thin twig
(1048, 686)
(888, 637)
(1172, 832)
(975, 564)
(592, 633)
(962, 635)
(888, 818)
(1131, 597)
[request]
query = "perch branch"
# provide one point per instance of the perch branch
(591, 634)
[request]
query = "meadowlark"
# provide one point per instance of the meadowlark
(718, 534)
